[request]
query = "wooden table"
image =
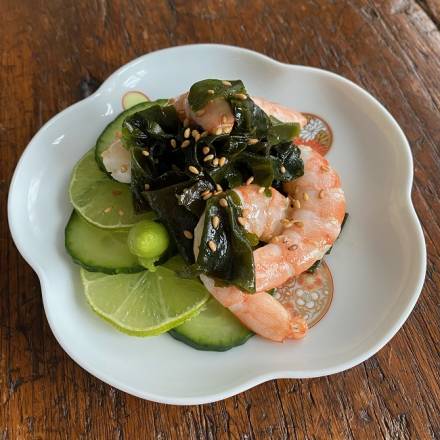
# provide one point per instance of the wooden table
(55, 52)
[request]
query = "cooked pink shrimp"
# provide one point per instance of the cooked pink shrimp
(298, 229)
(216, 117)
(282, 113)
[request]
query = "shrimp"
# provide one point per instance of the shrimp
(217, 118)
(117, 161)
(298, 229)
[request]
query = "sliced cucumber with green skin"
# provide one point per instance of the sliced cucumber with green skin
(215, 328)
(113, 130)
(99, 250)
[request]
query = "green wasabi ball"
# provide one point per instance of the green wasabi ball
(148, 240)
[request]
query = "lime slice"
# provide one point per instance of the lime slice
(145, 303)
(99, 199)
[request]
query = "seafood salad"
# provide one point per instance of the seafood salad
(192, 214)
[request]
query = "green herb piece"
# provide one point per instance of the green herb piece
(225, 252)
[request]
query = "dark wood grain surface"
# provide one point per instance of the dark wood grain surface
(55, 52)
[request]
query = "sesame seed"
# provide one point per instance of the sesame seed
(206, 150)
(294, 247)
(222, 161)
(187, 133)
(325, 168)
(186, 122)
(210, 92)
(321, 194)
(218, 187)
(241, 220)
(124, 168)
(226, 83)
(207, 196)
(219, 131)
(282, 169)
(215, 162)
(193, 169)
(196, 137)
(200, 112)
(262, 189)
(121, 212)
(223, 203)
(204, 134)
(147, 187)
(215, 221)
(224, 119)
(208, 157)
(305, 196)
(195, 134)
(212, 245)
(145, 152)
(252, 141)
(107, 210)
(296, 203)
(250, 180)
(188, 234)
(298, 223)
(185, 144)
(173, 143)
(240, 96)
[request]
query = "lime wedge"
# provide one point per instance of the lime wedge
(99, 199)
(145, 303)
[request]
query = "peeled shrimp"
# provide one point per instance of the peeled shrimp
(298, 229)
(117, 161)
(217, 118)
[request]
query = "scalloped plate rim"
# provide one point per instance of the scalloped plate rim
(276, 374)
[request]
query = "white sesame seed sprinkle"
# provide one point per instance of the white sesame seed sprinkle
(185, 143)
(208, 158)
(226, 83)
(212, 245)
(240, 96)
(223, 203)
(250, 180)
(188, 234)
(193, 169)
(187, 133)
(215, 221)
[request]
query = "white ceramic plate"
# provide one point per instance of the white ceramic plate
(378, 264)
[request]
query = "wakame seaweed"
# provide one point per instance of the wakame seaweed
(171, 175)
(231, 260)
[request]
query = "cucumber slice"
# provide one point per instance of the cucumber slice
(97, 249)
(113, 130)
(214, 329)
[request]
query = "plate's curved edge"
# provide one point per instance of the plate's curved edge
(264, 377)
